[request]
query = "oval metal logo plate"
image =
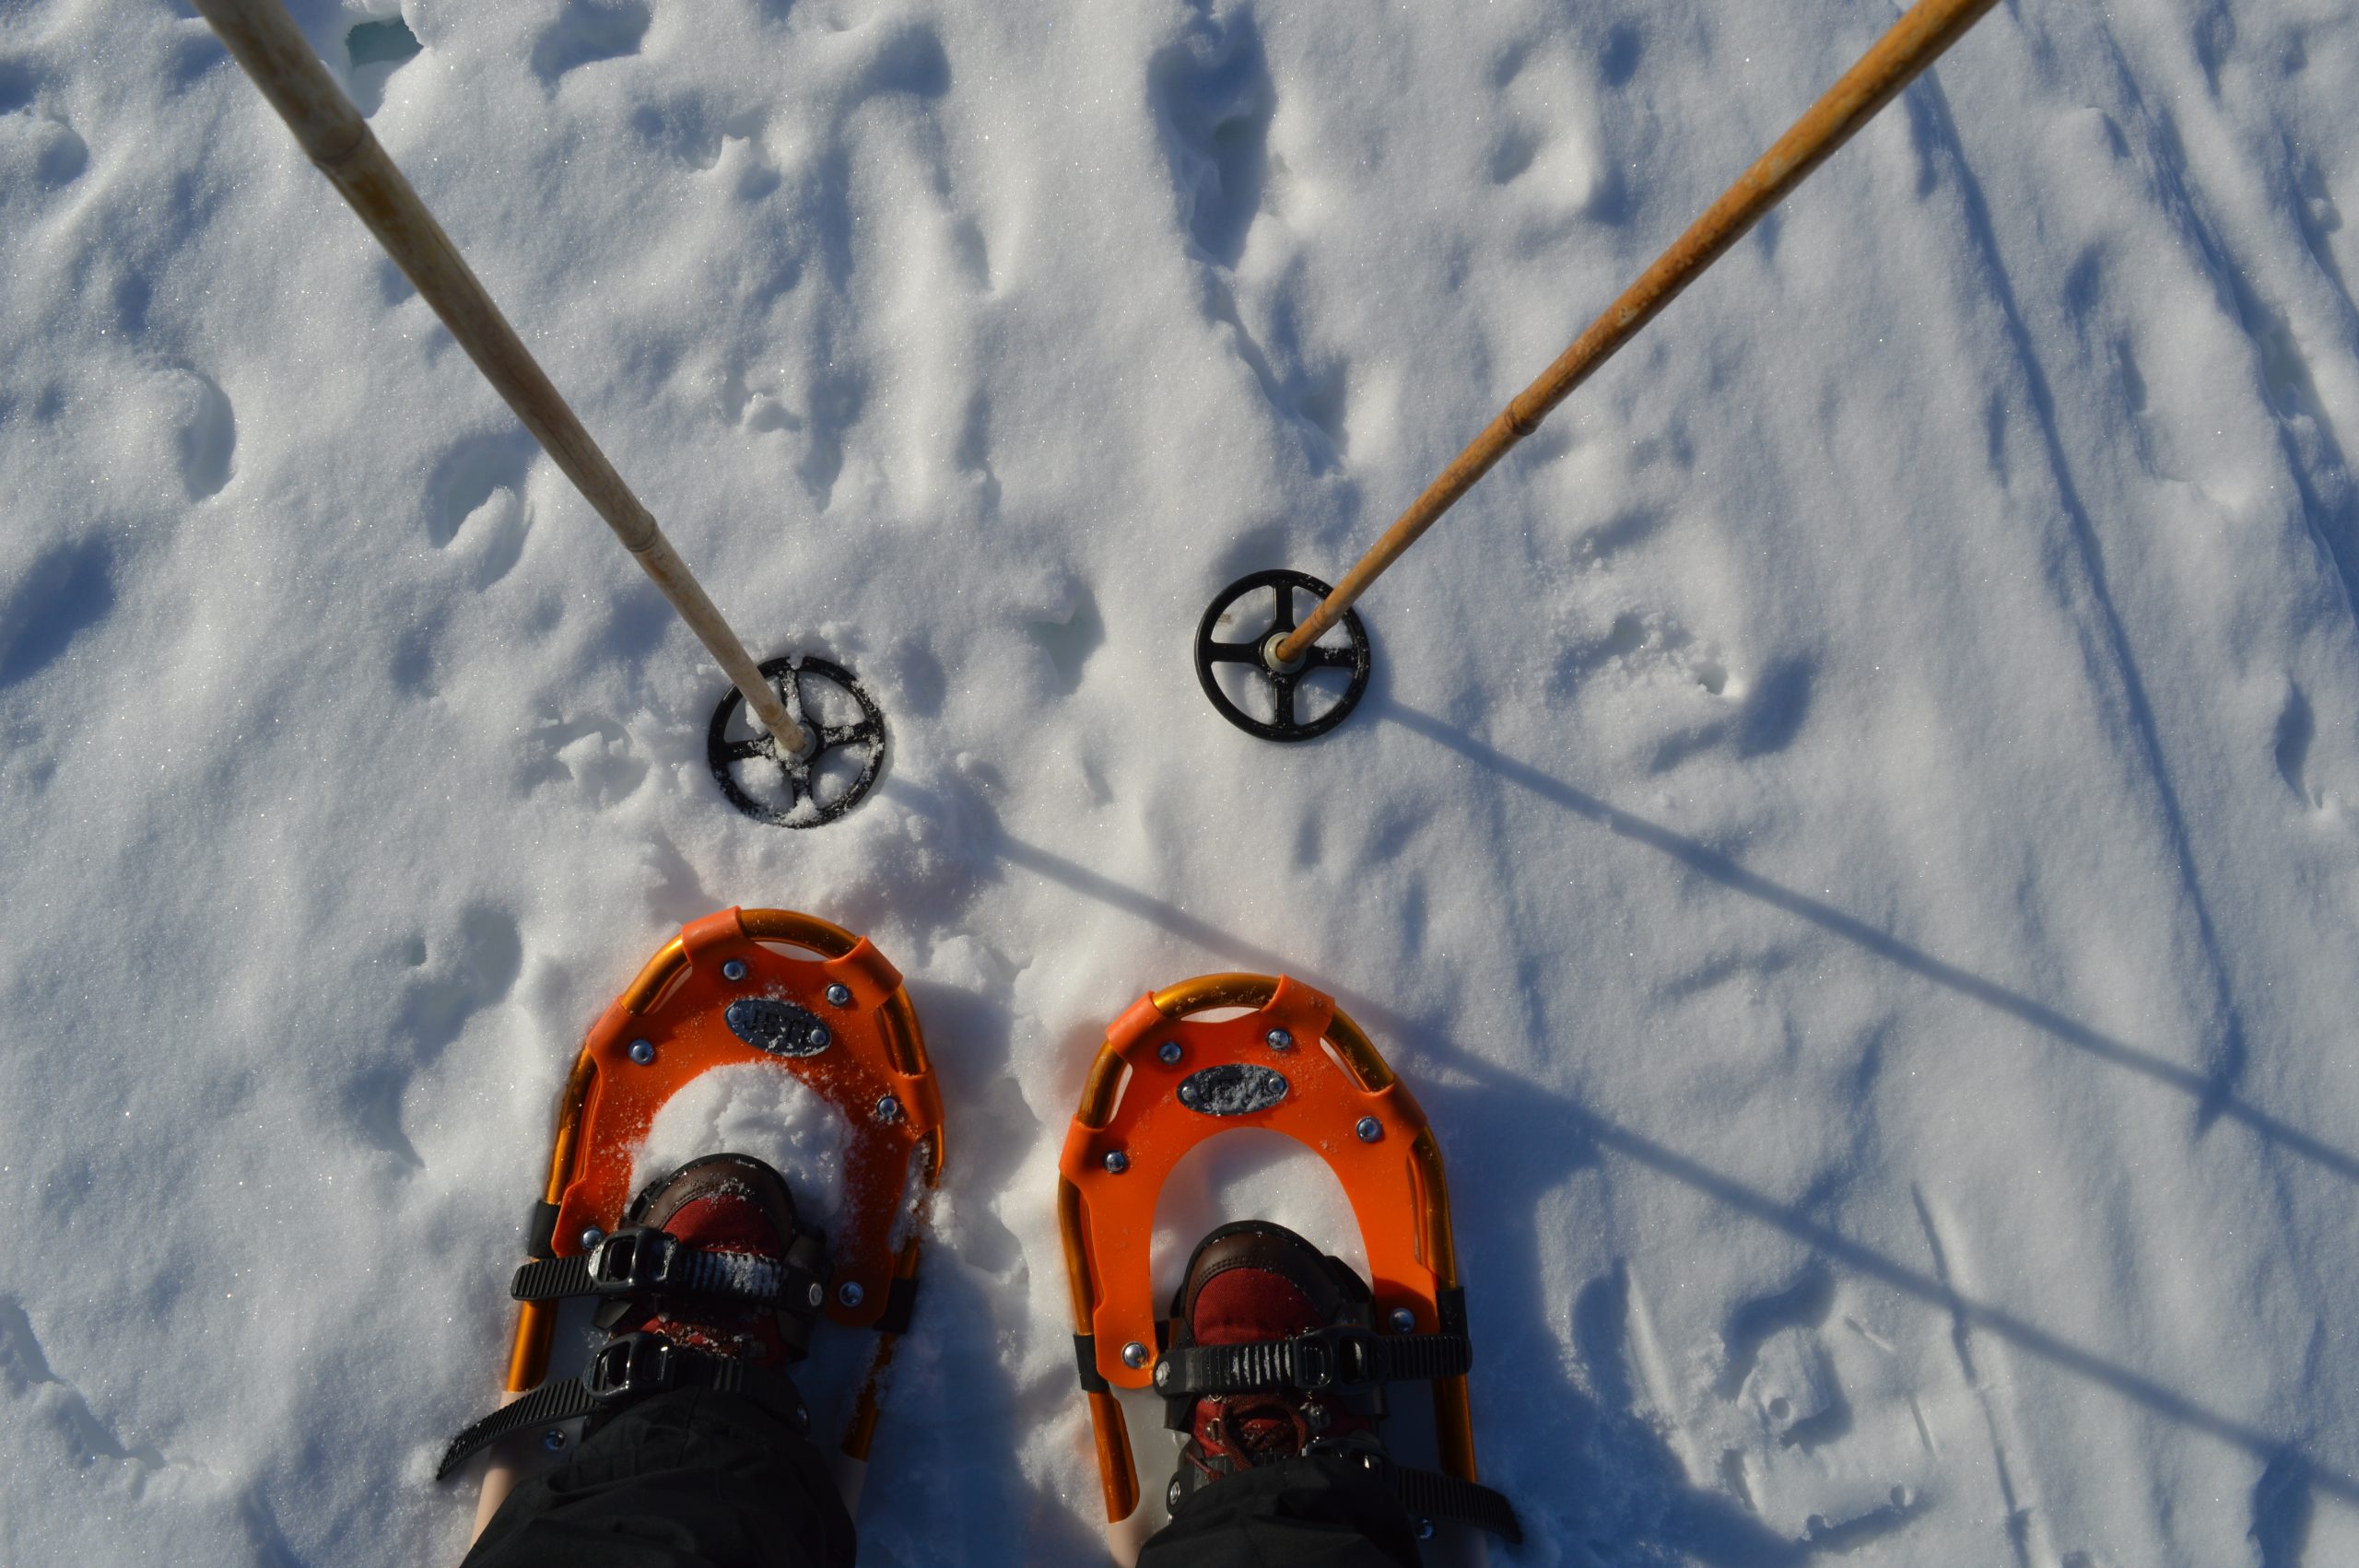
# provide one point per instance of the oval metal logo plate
(1232, 1088)
(779, 1027)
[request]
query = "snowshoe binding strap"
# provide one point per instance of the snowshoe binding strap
(1426, 1495)
(1340, 1357)
(626, 1369)
(643, 1261)
(1431, 1494)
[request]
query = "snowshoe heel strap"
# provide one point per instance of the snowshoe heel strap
(626, 1369)
(1338, 1357)
(640, 1260)
(1431, 1494)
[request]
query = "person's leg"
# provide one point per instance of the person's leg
(692, 1479)
(696, 1454)
(1305, 1513)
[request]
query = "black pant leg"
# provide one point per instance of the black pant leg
(1316, 1513)
(691, 1479)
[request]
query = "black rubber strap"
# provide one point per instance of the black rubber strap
(901, 1305)
(1085, 1361)
(1326, 1358)
(540, 1232)
(626, 1369)
(1430, 1495)
(642, 1261)
(546, 1405)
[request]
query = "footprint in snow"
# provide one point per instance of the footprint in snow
(1211, 95)
(374, 50)
(39, 151)
(586, 32)
(474, 501)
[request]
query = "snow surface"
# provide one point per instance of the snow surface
(1852, 839)
(752, 1108)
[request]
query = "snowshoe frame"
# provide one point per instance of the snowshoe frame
(1147, 1105)
(672, 1023)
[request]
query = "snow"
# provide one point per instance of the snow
(1852, 839)
(750, 1108)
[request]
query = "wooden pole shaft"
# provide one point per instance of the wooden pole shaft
(266, 43)
(1914, 41)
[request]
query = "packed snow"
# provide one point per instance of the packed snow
(1854, 837)
(752, 1109)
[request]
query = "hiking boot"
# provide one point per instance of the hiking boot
(711, 1283)
(738, 1214)
(1253, 1283)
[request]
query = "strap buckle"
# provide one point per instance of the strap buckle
(629, 1366)
(634, 1261)
(1340, 1355)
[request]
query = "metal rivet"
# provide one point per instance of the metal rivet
(889, 1110)
(818, 1037)
(642, 1051)
(1425, 1529)
(733, 970)
(1117, 1162)
(554, 1439)
(1369, 1130)
(1171, 1494)
(1404, 1320)
(591, 1236)
(850, 1293)
(840, 994)
(817, 1296)
(1133, 1354)
(1163, 1374)
(1167, 1052)
(1188, 1093)
(1278, 1040)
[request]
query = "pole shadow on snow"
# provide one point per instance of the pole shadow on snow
(1478, 1109)
(2211, 1097)
(1515, 1113)
(1509, 1302)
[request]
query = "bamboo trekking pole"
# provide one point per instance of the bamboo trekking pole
(1915, 42)
(266, 42)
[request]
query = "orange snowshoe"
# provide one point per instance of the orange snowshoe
(1286, 1060)
(738, 987)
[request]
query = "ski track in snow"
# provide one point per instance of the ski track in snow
(1851, 837)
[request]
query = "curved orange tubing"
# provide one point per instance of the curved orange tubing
(1336, 1084)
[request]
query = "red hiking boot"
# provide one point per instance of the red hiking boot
(1257, 1284)
(737, 1215)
